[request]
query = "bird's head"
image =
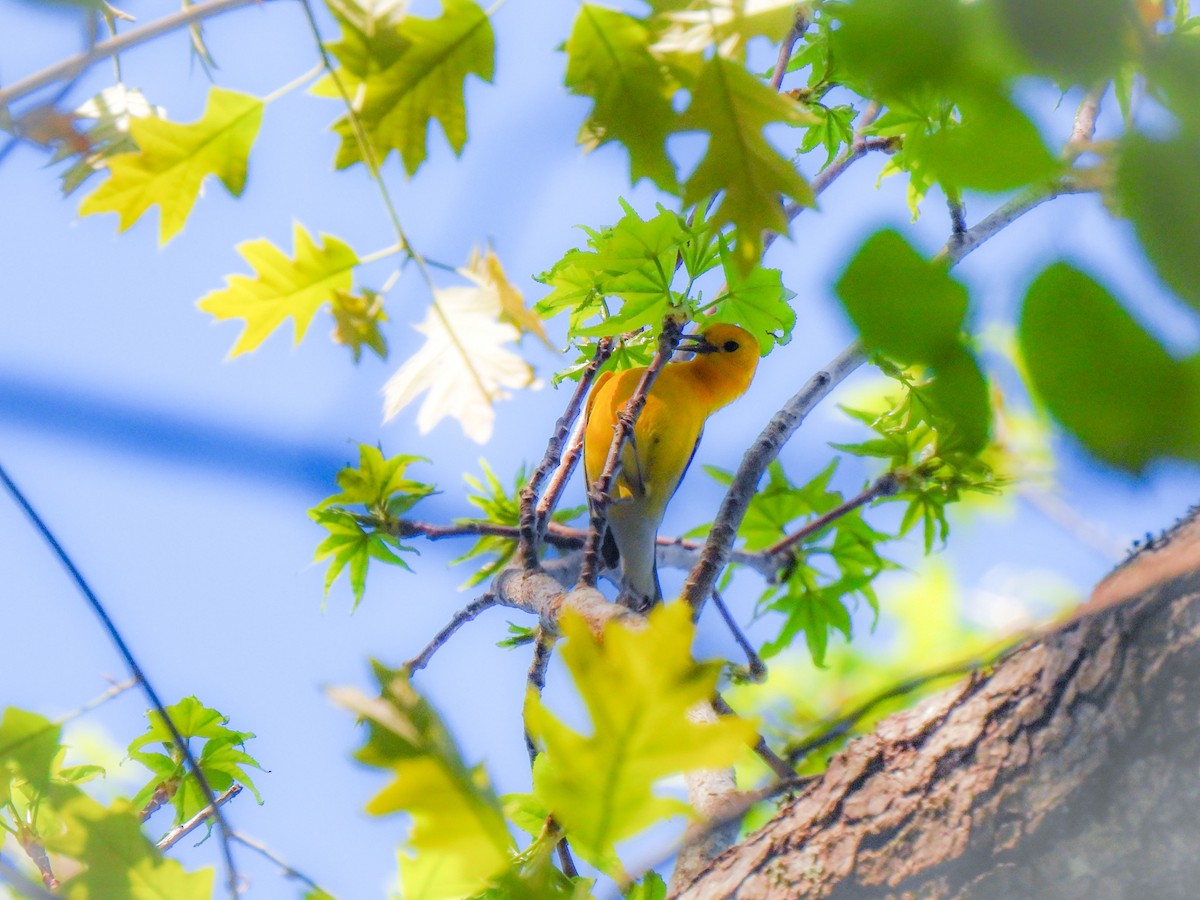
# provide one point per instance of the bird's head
(728, 356)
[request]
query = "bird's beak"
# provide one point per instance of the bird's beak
(695, 343)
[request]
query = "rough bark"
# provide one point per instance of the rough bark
(1070, 770)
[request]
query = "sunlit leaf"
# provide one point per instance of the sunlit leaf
(734, 107)
(458, 841)
(172, 161)
(638, 686)
(282, 288)
(402, 72)
(464, 366)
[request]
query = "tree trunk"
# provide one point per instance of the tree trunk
(1071, 770)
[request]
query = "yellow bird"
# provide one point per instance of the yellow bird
(668, 430)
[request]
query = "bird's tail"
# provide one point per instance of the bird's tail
(635, 538)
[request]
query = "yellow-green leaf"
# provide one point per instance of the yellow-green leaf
(459, 841)
(733, 107)
(638, 686)
(403, 71)
(282, 287)
(172, 161)
(609, 60)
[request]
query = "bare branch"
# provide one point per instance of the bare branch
(799, 26)
(756, 668)
(71, 67)
(176, 834)
(766, 447)
(291, 872)
(461, 618)
(1084, 128)
(532, 527)
(15, 878)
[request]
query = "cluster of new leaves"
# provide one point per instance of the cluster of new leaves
(84, 849)
(921, 446)
(362, 518)
(499, 507)
(817, 578)
(627, 279)
(222, 758)
(638, 685)
(632, 68)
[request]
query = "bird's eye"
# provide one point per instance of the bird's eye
(729, 346)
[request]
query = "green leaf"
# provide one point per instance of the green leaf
(173, 160)
(220, 758)
(959, 400)
(282, 287)
(651, 887)
(118, 859)
(1075, 41)
(633, 261)
(28, 747)
(609, 60)
(403, 71)
(1103, 377)
(991, 146)
(459, 841)
(357, 318)
(756, 300)
(379, 484)
(1158, 191)
(902, 305)
(638, 687)
(734, 107)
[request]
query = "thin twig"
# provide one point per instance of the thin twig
(958, 216)
(1084, 127)
(756, 668)
(25, 887)
(543, 647)
(290, 871)
(774, 761)
(843, 724)
(72, 66)
(799, 26)
(531, 525)
(766, 447)
(179, 832)
(598, 493)
(883, 486)
(461, 618)
(126, 654)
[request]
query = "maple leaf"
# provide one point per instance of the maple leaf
(734, 106)
(357, 318)
(173, 159)
(458, 833)
(727, 23)
(463, 363)
(402, 71)
(638, 686)
(512, 304)
(111, 111)
(282, 287)
(609, 60)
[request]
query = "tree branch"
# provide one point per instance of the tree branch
(71, 67)
(176, 834)
(766, 447)
(461, 618)
(883, 486)
(266, 852)
(126, 654)
(532, 526)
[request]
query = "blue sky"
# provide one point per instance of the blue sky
(179, 480)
